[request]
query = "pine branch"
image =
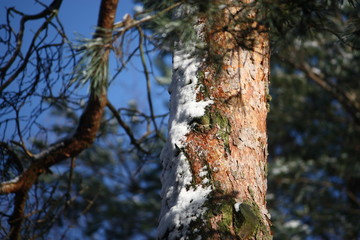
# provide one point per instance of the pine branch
(351, 107)
(129, 23)
(147, 77)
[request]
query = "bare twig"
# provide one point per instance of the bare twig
(51, 10)
(127, 24)
(147, 77)
(67, 195)
(125, 127)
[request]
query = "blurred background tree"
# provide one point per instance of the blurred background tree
(314, 131)
(110, 191)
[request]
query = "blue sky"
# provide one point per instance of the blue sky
(79, 18)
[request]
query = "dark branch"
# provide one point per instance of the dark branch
(51, 10)
(125, 127)
(349, 105)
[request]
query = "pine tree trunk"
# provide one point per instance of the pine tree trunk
(214, 175)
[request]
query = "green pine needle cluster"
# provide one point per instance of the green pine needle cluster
(92, 67)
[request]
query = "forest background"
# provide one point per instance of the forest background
(111, 190)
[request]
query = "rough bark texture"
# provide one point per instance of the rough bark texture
(84, 136)
(231, 137)
(229, 141)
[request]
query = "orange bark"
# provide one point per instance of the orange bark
(238, 85)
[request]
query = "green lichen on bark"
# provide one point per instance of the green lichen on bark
(200, 76)
(221, 205)
(249, 222)
(227, 211)
(202, 88)
(214, 119)
(224, 128)
(246, 221)
(243, 222)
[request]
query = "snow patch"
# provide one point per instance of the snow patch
(203, 172)
(297, 224)
(277, 170)
(237, 206)
(205, 181)
(292, 224)
(182, 202)
(138, 9)
(126, 17)
(316, 70)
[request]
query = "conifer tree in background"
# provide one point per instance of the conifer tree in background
(314, 119)
(214, 160)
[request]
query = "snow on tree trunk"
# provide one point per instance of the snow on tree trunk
(214, 162)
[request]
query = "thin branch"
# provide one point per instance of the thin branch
(125, 127)
(27, 56)
(17, 217)
(67, 195)
(353, 198)
(22, 143)
(51, 10)
(341, 38)
(127, 23)
(124, 63)
(147, 77)
(339, 94)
